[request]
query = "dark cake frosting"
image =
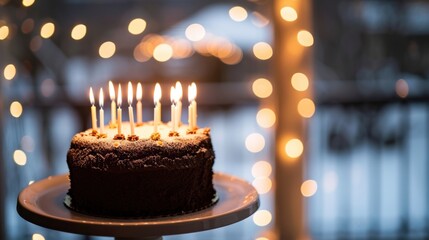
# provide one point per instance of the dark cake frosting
(142, 178)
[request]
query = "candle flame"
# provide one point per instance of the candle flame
(101, 98)
(139, 93)
(119, 95)
(130, 93)
(173, 95)
(192, 92)
(91, 96)
(111, 91)
(179, 90)
(157, 94)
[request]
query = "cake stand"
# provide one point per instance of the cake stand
(41, 203)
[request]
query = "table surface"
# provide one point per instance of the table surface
(41, 203)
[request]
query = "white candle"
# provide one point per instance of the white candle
(190, 99)
(101, 102)
(119, 109)
(113, 103)
(173, 109)
(179, 95)
(194, 105)
(130, 108)
(93, 110)
(139, 96)
(157, 110)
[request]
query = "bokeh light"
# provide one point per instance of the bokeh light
(137, 26)
(262, 184)
(37, 236)
(19, 157)
(299, 81)
(107, 49)
(195, 32)
(255, 142)
(47, 30)
(30, 182)
(78, 32)
(306, 108)
(234, 57)
(238, 13)
(309, 188)
(262, 218)
(294, 148)
(262, 50)
(16, 109)
(402, 88)
(27, 25)
(4, 32)
(266, 118)
(182, 48)
(27, 3)
(262, 88)
(305, 38)
(48, 87)
(163, 52)
(261, 169)
(27, 143)
(9, 72)
(288, 14)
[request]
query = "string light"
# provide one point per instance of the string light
(27, 3)
(262, 88)
(238, 13)
(4, 32)
(9, 72)
(163, 52)
(255, 142)
(262, 185)
(78, 32)
(266, 118)
(16, 109)
(305, 38)
(195, 32)
(38, 236)
(261, 169)
(19, 157)
(262, 50)
(262, 218)
(299, 81)
(288, 14)
(309, 188)
(107, 49)
(294, 148)
(137, 26)
(306, 108)
(47, 30)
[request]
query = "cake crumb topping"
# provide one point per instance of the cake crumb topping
(191, 131)
(155, 136)
(173, 134)
(116, 144)
(133, 138)
(206, 131)
(139, 124)
(101, 135)
(119, 137)
(93, 132)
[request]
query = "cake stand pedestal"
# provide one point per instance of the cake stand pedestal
(41, 203)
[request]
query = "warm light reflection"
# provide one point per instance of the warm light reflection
(19, 157)
(181, 48)
(107, 49)
(262, 185)
(261, 169)
(27, 3)
(294, 148)
(299, 81)
(163, 52)
(137, 26)
(262, 50)
(261, 238)
(305, 38)
(78, 32)
(4, 32)
(288, 14)
(306, 108)
(38, 236)
(16, 109)
(235, 57)
(238, 13)
(309, 188)
(262, 88)
(195, 32)
(9, 72)
(266, 118)
(260, 20)
(255, 142)
(402, 88)
(262, 218)
(30, 182)
(47, 30)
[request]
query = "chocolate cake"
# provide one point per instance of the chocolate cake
(145, 176)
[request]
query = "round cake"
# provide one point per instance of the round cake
(146, 175)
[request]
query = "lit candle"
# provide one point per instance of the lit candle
(179, 95)
(119, 109)
(192, 109)
(139, 95)
(93, 113)
(130, 108)
(113, 103)
(173, 109)
(157, 110)
(101, 102)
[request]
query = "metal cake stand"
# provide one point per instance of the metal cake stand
(41, 203)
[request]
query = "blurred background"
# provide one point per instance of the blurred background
(322, 105)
